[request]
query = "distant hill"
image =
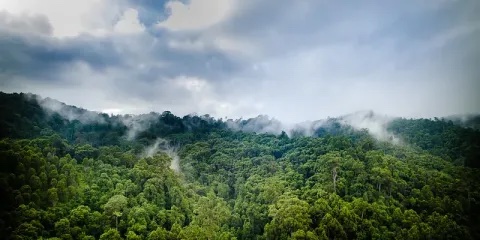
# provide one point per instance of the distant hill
(29, 115)
(467, 120)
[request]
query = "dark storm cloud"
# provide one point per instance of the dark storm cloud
(39, 56)
(31, 52)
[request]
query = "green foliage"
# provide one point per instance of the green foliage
(289, 215)
(111, 234)
(65, 179)
(441, 137)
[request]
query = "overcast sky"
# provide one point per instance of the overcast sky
(292, 60)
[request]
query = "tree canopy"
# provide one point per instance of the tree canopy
(67, 179)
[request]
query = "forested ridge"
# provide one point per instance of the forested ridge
(68, 173)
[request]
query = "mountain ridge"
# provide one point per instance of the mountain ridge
(46, 113)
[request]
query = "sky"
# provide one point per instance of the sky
(292, 60)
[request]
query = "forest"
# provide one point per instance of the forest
(70, 173)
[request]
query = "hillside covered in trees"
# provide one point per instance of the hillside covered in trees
(69, 173)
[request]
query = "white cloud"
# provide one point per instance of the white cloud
(67, 17)
(129, 23)
(196, 15)
(70, 18)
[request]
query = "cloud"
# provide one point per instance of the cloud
(35, 24)
(129, 23)
(196, 14)
(67, 18)
(294, 61)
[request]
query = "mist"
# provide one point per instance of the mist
(376, 125)
(162, 145)
(138, 123)
(70, 113)
(466, 120)
(259, 124)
